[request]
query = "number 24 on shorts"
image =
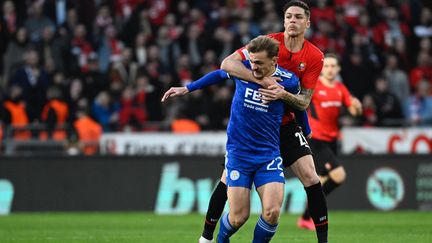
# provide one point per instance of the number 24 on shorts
(302, 139)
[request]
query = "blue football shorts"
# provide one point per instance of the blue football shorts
(242, 173)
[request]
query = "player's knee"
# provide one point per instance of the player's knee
(309, 178)
(271, 215)
(338, 175)
(238, 220)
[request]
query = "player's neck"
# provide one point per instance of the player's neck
(271, 72)
(294, 44)
(328, 82)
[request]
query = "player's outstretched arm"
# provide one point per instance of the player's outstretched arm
(297, 101)
(233, 65)
(208, 79)
(173, 92)
(355, 109)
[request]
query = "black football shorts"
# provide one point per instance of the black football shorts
(293, 144)
(324, 153)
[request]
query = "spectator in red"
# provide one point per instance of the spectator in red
(158, 10)
(423, 70)
(81, 50)
(325, 40)
(323, 12)
(391, 29)
(124, 8)
(352, 10)
(132, 114)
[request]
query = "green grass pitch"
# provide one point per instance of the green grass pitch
(345, 227)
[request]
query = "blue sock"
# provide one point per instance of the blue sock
(263, 231)
(225, 230)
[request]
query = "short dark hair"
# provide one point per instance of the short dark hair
(332, 55)
(264, 43)
(297, 3)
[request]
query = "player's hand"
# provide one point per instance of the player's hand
(357, 105)
(273, 92)
(173, 92)
(268, 81)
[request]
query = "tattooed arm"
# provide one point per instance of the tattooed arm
(296, 101)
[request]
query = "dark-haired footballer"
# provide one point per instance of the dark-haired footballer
(301, 57)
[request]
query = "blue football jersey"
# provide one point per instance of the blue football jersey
(253, 128)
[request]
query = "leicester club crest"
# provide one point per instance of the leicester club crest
(301, 67)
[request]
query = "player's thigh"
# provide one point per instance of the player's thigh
(239, 173)
(293, 144)
(239, 201)
(304, 169)
(269, 180)
(271, 195)
(223, 177)
(268, 172)
(324, 156)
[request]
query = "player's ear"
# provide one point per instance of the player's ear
(275, 59)
(308, 23)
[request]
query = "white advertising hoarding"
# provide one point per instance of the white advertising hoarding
(387, 140)
(164, 143)
(362, 140)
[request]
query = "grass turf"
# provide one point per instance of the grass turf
(351, 227)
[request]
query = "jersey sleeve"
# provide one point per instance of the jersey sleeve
(243, 52)
(208, 79)
(312, 73)
(293, 85)
(346, 95)
(303, 121)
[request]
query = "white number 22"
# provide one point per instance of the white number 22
(278, 166)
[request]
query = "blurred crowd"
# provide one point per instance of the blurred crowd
(110, 61)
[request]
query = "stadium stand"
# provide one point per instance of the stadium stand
(116, 58)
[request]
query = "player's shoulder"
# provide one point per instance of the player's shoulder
(246, 63)
(285, 74)
(279, 36)
(340, 85)
(313, 50)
